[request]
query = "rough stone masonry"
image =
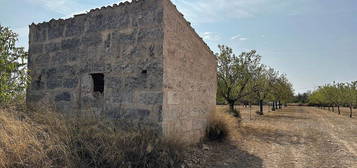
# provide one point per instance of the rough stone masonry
(139, 62)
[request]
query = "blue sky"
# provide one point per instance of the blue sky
(312, 41)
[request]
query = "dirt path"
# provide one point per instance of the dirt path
(296, 137)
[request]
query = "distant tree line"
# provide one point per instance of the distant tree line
(244, 78)
(335, 95)
(302, 98)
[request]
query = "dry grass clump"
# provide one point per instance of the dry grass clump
(221, 126)
(102, 144)
(41, 138)
(25, 142)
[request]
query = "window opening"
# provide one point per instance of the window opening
(98, 82)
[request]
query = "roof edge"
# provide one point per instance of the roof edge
(192, 29)
(91, 11)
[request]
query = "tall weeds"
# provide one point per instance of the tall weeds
(221, 126)
(41, 138)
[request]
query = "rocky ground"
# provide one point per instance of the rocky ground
(295, 137)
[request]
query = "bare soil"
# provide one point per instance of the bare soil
(294, 137)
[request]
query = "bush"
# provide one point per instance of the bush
(221, 125)
(216, 130)
(41, 138)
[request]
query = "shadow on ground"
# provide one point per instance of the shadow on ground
(222, 155)
(273, 136)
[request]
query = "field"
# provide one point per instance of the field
(292, 137)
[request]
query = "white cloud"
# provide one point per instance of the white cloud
(63, 7)
(211, 36)
(239, 37)
(75, 13)
(67, 8)
(236, 37)
(201, 11)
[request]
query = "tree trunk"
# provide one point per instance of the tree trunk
(261, 107)
(236, 113)
(280, 105)
(329, 108)
(338, 109)
(273, 108)
(351, 109)
(333, 108)
(250, 111)
(231, 106)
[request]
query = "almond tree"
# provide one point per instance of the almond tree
(349, 91)
(235, 74)
(329, 93)
(337, 94)
(13, 74)
(317, 98)
(262, 87)
(286, 92)
(271, 86)
(340, 95)
(282, 91)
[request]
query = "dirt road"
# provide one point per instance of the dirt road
(295, 137)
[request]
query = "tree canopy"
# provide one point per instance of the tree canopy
(13, 70)
(245, 78)
(335, 95)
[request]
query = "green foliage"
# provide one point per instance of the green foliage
(302, 98)
(282, 89)
(262, 83)
(13, 72)
(335, 94)
(235, 74)
(244, 78)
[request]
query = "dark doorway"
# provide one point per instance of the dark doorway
(98, 82)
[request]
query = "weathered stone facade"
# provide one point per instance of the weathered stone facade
(138, 61)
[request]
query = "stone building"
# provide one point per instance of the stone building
(139, 62)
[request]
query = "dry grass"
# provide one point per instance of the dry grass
(41, 138)
(345, 111)
(25, 142)
(222, 125)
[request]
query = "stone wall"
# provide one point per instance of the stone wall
(189, 78)
(155, 68)
(123, 42)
